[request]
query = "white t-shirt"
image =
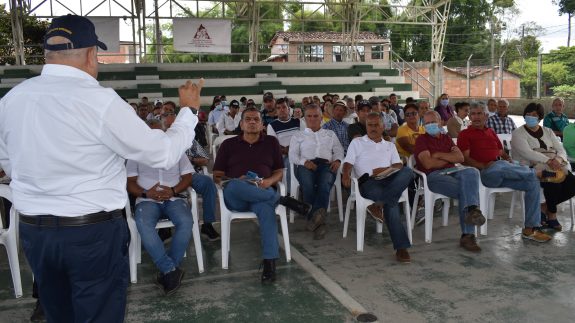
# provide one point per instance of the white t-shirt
(366, 155)
(148, 176)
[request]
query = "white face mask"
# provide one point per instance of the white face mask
(218, 106)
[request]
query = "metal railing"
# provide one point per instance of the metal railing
(415, 77)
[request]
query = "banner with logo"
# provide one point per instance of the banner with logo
(195, 35)
(108, 31)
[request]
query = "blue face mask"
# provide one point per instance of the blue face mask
(531, 121)
(218, 106)
(432, 129)
(444, 102)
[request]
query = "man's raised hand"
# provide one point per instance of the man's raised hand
(190, 94)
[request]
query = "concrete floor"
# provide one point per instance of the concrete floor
(511, 280)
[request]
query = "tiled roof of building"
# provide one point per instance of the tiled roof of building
(324, 35)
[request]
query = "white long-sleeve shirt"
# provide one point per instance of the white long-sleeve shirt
(308, 145)
(64, 139)
(228, 123)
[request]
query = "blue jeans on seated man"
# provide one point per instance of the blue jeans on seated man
(388, 191)
(315, 185)
(462, 185)
(148, 214)
(204, 185)
(520, 178)
(242, 196)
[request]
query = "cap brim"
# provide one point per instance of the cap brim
(102, 45)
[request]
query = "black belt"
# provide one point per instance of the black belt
(64, 221)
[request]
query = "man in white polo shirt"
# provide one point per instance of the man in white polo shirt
(368, 156)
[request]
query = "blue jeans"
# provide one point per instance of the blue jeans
(243, 197)
(388, 191)
(82, 271)
(315, 185)
(520, 178)
(147, 215)
(462, 185)
(205, 186)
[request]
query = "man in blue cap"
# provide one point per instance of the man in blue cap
(63, 141)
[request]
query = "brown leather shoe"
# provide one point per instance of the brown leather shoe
(376, 212)
(402, 256)
(469, 243)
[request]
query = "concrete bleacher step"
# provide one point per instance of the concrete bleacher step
(265, 75)
(12, 81)
(383, 89)
(364, 74)
(147, 77)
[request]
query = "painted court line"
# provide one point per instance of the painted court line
(353, 306)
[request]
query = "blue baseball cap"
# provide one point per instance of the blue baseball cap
(78, 30)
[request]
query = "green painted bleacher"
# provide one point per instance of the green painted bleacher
(134, 81)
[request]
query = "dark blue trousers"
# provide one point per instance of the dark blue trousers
(82, 271)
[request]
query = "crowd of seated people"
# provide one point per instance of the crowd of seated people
(457, 148)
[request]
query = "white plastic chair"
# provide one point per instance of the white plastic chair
(487, 202)
(8, 237)
(227, 216)
(361, 204)
(217, 142)
(211, 137)
(294, 191)
(135, 250)
(429, 201)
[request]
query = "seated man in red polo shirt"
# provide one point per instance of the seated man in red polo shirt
(435, 153)
(482, 149)
(256, 155)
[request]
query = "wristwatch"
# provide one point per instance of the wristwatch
(144, 193)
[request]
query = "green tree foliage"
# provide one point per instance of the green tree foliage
(567, 7)
(33, 30)
(467, 32)
(564, 91)
(552, 73)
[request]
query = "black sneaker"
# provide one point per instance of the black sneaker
(172, 281)
(269, 273)
(209, 231)
(293, 204)
(38, 313)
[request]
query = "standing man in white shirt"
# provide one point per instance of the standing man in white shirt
(317, 155)
(371, 155)
(69, 184)
(230, 120)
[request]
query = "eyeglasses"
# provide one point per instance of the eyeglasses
(168, 114)
(410, 114)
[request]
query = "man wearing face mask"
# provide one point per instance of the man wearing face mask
(434, 153)
(501, 123)
(445, 111)
(482, 149)
(216, 114)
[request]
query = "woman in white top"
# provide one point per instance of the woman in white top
(527, 145)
